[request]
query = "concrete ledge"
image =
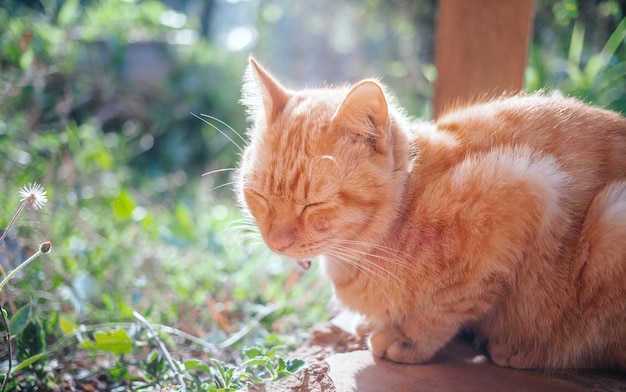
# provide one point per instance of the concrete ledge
(339, 361)
(458, 367)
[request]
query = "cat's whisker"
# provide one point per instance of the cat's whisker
(375, 278)
(344, 257)
(222, 186)
(226, 125)
(391, 251)
(219, 130)
(247, 235)
(377, 269)
(396, 259)
(265, 254)
(242, 228)
(219, 171)
(243, 224)
(391, 259)
(250, 243)
(244, 219)
(365, 264)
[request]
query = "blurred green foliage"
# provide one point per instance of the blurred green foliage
(110, 63)
(115, 145)
(578, 49)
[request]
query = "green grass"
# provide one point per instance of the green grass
(150, 283)
(136, 277)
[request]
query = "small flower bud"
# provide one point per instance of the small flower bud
(45, 247)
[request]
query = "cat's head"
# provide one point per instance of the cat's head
(323, 166)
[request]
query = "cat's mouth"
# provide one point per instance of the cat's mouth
(304, 263)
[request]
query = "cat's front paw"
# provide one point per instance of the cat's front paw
(390, 343)
(504, 356)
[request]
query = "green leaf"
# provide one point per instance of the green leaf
(596, 64)
(154, 365)
(123, 206)
(184, 221)
(20, 320)
(295, 365)
(27, 58)
(224, 377)
(599, 61)
(31, 341)
(259, 361)
(220, 380)
(576, 76)
(103, 158)
(197, 365)
(116, 342)
(28, 361)
(265, 362)
(288, 367)
(576, 45)
(616, 39)
(282, 364)
(251, 352)
(67, 326)
(430, 72)
(68, 13)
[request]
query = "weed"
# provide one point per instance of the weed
(30, 342)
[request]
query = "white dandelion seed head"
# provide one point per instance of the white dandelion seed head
(34, 196)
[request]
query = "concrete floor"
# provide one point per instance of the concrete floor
(338, 360)
(458, 368)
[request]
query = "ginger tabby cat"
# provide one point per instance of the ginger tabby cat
(507, 218)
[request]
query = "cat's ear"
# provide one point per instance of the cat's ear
(259, 82)
(364, 111)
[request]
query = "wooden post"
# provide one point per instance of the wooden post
(481, 49)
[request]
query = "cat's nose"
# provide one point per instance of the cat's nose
(281, 239)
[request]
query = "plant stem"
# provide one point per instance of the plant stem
(266, 311)
(43, 248)
(166, 354)
(17, 213)
(9, 349)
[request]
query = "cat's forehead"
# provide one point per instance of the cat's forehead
(293, 174)
(301, 127)
(296, 175)
(295, 155)
(314, 107)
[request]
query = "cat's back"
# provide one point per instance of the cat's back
(586, 141)
(547, 173)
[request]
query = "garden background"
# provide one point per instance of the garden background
(154, 280)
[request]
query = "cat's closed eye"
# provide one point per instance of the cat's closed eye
(257, 203)
(312, 207)
(316, 215)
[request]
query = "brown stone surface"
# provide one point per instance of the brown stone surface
(324, 341)
(458, 367)
(339, 361)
